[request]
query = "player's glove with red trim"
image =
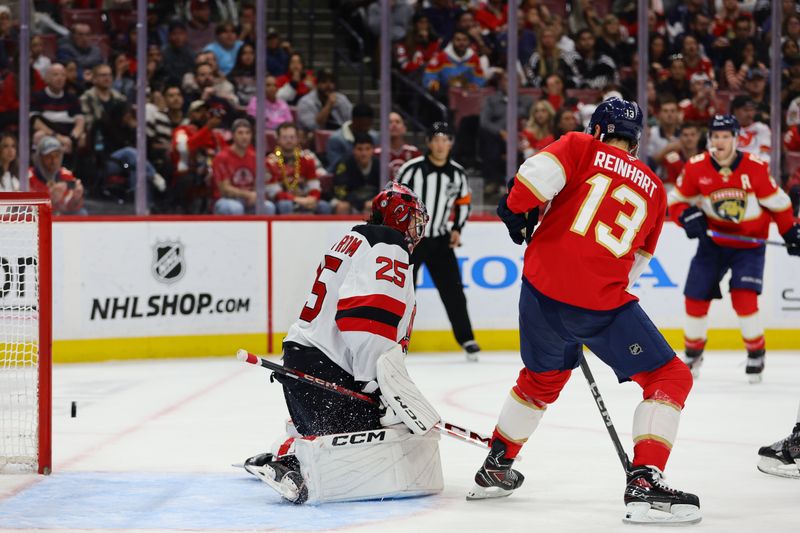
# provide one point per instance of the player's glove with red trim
(792, 239)
(520, 225)
(694, 222)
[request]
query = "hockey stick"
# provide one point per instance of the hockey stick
(445, 428)
(623, 456)
(742, 238)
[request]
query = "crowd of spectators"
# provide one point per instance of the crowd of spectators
(706, 57)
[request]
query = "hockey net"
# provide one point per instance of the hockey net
(25, 333)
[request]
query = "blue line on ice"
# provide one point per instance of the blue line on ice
(128, 500)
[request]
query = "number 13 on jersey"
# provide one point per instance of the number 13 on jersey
(629, 223)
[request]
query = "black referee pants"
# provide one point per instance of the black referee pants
(436, 254)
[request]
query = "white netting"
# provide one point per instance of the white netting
(19, 336)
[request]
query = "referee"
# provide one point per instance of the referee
(442, 186)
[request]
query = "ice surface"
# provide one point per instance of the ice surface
(153, 441)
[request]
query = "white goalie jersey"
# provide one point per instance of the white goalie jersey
(362, 300)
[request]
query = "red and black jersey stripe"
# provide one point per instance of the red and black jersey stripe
(376, 313)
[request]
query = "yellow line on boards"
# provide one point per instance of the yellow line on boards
(89, 350)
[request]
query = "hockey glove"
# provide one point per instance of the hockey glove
(792, 239)
(514, 222)
(694, 222)
(520, 226)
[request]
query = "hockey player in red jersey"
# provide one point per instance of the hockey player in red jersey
(728, 191)
(601, 226)
(350, 332)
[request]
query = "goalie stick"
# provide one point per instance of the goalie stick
(623, 456)
(443, 427)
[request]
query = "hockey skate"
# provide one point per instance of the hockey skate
(693, 359)
(472, 349)
(648, 500)
(496, 478)
(755, 366)
(283, 475)
(782, 458)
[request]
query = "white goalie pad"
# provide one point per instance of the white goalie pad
(400, 393)
(367, 465)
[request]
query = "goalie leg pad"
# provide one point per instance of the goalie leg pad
(400, 393)
(366, 465)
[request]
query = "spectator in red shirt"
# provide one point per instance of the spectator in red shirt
(701, 107)
(235, 174)
(48, 175)
(292, 183)
(419, 46)
(194, 145)
(493, 15)
(694, 60)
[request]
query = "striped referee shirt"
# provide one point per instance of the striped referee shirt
(440, 189)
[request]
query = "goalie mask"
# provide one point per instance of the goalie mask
(400, 209)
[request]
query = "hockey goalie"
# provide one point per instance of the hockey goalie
(353, 331)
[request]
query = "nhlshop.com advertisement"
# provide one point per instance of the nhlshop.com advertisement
(151, 279)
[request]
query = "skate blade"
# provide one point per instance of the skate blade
(755, 378)
(473, 357)
(774, 467)
(288, 491)
(484, 493)
(640, 513)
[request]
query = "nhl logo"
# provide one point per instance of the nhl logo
(168, 266)
(635, 349)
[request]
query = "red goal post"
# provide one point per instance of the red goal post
(25, 333)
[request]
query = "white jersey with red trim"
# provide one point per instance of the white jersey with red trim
(755, 139)
(362, 300)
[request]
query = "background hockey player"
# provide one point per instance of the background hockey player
(601, 228)
(731, 192)
(360, 307)
(783, 457)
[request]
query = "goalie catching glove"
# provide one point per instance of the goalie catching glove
(520, 225)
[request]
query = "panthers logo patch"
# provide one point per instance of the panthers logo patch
(729, 204)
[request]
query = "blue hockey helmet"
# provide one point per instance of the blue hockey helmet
(724, 123)
(618, 118)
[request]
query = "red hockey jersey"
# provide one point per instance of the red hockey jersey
(602, 225)
(740, 200)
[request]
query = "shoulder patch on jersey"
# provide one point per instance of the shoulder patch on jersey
(697, 158)
(755, 159)
(375, 233)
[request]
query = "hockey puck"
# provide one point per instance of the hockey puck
(74, 410)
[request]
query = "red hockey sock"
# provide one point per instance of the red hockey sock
(745, 303)
(655, 421)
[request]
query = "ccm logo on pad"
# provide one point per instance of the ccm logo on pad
(358, 438)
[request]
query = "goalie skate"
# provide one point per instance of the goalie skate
(648, 500)
(281, 475)
(496, 478)
(783, 457)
